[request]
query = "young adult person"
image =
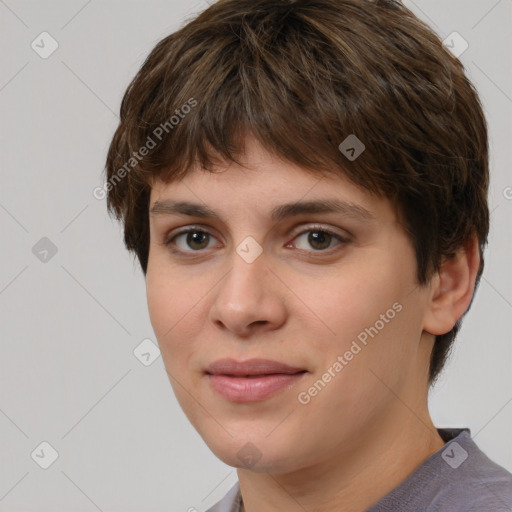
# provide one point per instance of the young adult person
(304, 184)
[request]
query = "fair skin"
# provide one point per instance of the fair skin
(302, 301)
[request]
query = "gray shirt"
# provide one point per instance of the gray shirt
(459, 477)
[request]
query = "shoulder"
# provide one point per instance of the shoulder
(472, 481)
(459, 477)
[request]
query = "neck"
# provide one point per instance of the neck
(351, 479)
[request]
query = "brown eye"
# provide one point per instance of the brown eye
(196, 239)
(190, 240)
(319, 240)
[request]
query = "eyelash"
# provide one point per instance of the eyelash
(315, 229)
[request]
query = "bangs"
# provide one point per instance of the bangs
(256, 80)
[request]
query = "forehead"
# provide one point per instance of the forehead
(228, 201)
(265, 184)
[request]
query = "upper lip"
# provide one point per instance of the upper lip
(250, 367)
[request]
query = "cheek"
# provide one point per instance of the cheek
(173, 314)
(371, 319)
(171, 305)
(351, 301)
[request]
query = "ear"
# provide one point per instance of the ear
(451, 288)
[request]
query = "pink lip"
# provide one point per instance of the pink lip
(252, 380)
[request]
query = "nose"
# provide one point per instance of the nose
(249, 298)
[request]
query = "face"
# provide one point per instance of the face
(286, 307)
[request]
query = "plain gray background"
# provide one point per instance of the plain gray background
(70, 321)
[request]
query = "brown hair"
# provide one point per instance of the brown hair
(301, 76)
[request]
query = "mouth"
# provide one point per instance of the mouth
(252, 380)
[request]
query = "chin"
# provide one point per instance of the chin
(255, 451)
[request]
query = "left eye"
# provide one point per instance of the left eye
(319, 239)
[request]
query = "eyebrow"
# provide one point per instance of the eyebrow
(281, 212)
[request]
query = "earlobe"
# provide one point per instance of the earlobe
(451, 288)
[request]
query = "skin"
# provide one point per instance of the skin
(301, 303)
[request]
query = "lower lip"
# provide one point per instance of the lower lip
(252, 389)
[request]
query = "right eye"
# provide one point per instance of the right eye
(191, 239)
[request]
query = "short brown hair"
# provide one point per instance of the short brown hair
(301, 76)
